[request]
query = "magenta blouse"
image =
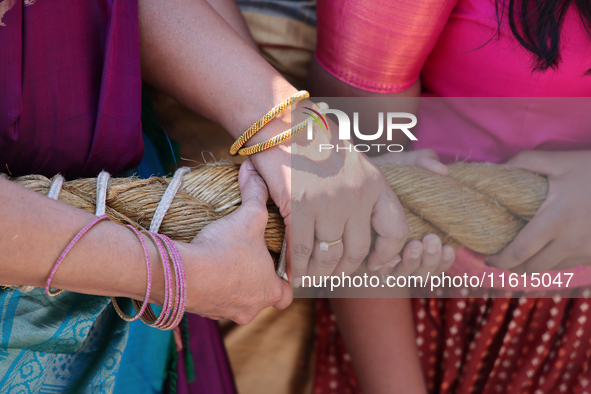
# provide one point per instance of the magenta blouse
(452, 45)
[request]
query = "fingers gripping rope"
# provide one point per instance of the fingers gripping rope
(166, 201)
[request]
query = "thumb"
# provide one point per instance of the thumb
(539, 162)
(252, 187)
(286, 295)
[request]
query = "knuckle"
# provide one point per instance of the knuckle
(257, 208)
(243, 318)
(328, 262)
(429, 153)
(516, 255)
(399, 231)
(275, 295)
(357, 256)
(301, 251)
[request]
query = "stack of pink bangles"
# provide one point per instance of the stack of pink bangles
(175, 291)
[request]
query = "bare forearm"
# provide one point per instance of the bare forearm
(34, 230)
(379, 334)
(231, 14)
(202, 62)
(192, 54)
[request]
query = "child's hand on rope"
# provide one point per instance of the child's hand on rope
(558, 235)
(428, 256)
(420, 258)
(230, 273)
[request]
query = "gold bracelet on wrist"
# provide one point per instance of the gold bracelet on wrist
(252, 130)
(261, 146)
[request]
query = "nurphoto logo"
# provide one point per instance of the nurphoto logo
(393, 124)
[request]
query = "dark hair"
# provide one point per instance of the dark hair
(537, 25)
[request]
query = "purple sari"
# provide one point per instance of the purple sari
(70, 103)
(70, 88)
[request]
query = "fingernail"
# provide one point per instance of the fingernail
(394, 262)
(448, 253)
(432, 246)
(249, 165)
(296, 282)
(377, 268)
(416, 253)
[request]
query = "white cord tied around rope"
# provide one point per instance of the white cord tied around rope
(56, 187)
(167, 198)
(102, 183)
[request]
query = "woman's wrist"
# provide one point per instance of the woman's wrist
(248, 112)
(200, 274)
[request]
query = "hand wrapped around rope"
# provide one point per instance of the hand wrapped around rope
(480, 206)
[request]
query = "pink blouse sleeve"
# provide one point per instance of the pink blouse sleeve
(379, 45)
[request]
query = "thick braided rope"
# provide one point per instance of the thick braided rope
(481, 206)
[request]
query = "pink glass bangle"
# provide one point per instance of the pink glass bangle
(53, 293)
(183, 278)
(165, 318)
(181, 283)
(175, 292)
(169, 293)
(142, 309)
(171, 317)
(149, 317)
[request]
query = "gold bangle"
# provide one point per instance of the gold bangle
(269, 116)
(261, 146)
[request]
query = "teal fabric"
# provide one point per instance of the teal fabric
(143, 365)
(168, 152)
(76, 343)
(72, 343)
